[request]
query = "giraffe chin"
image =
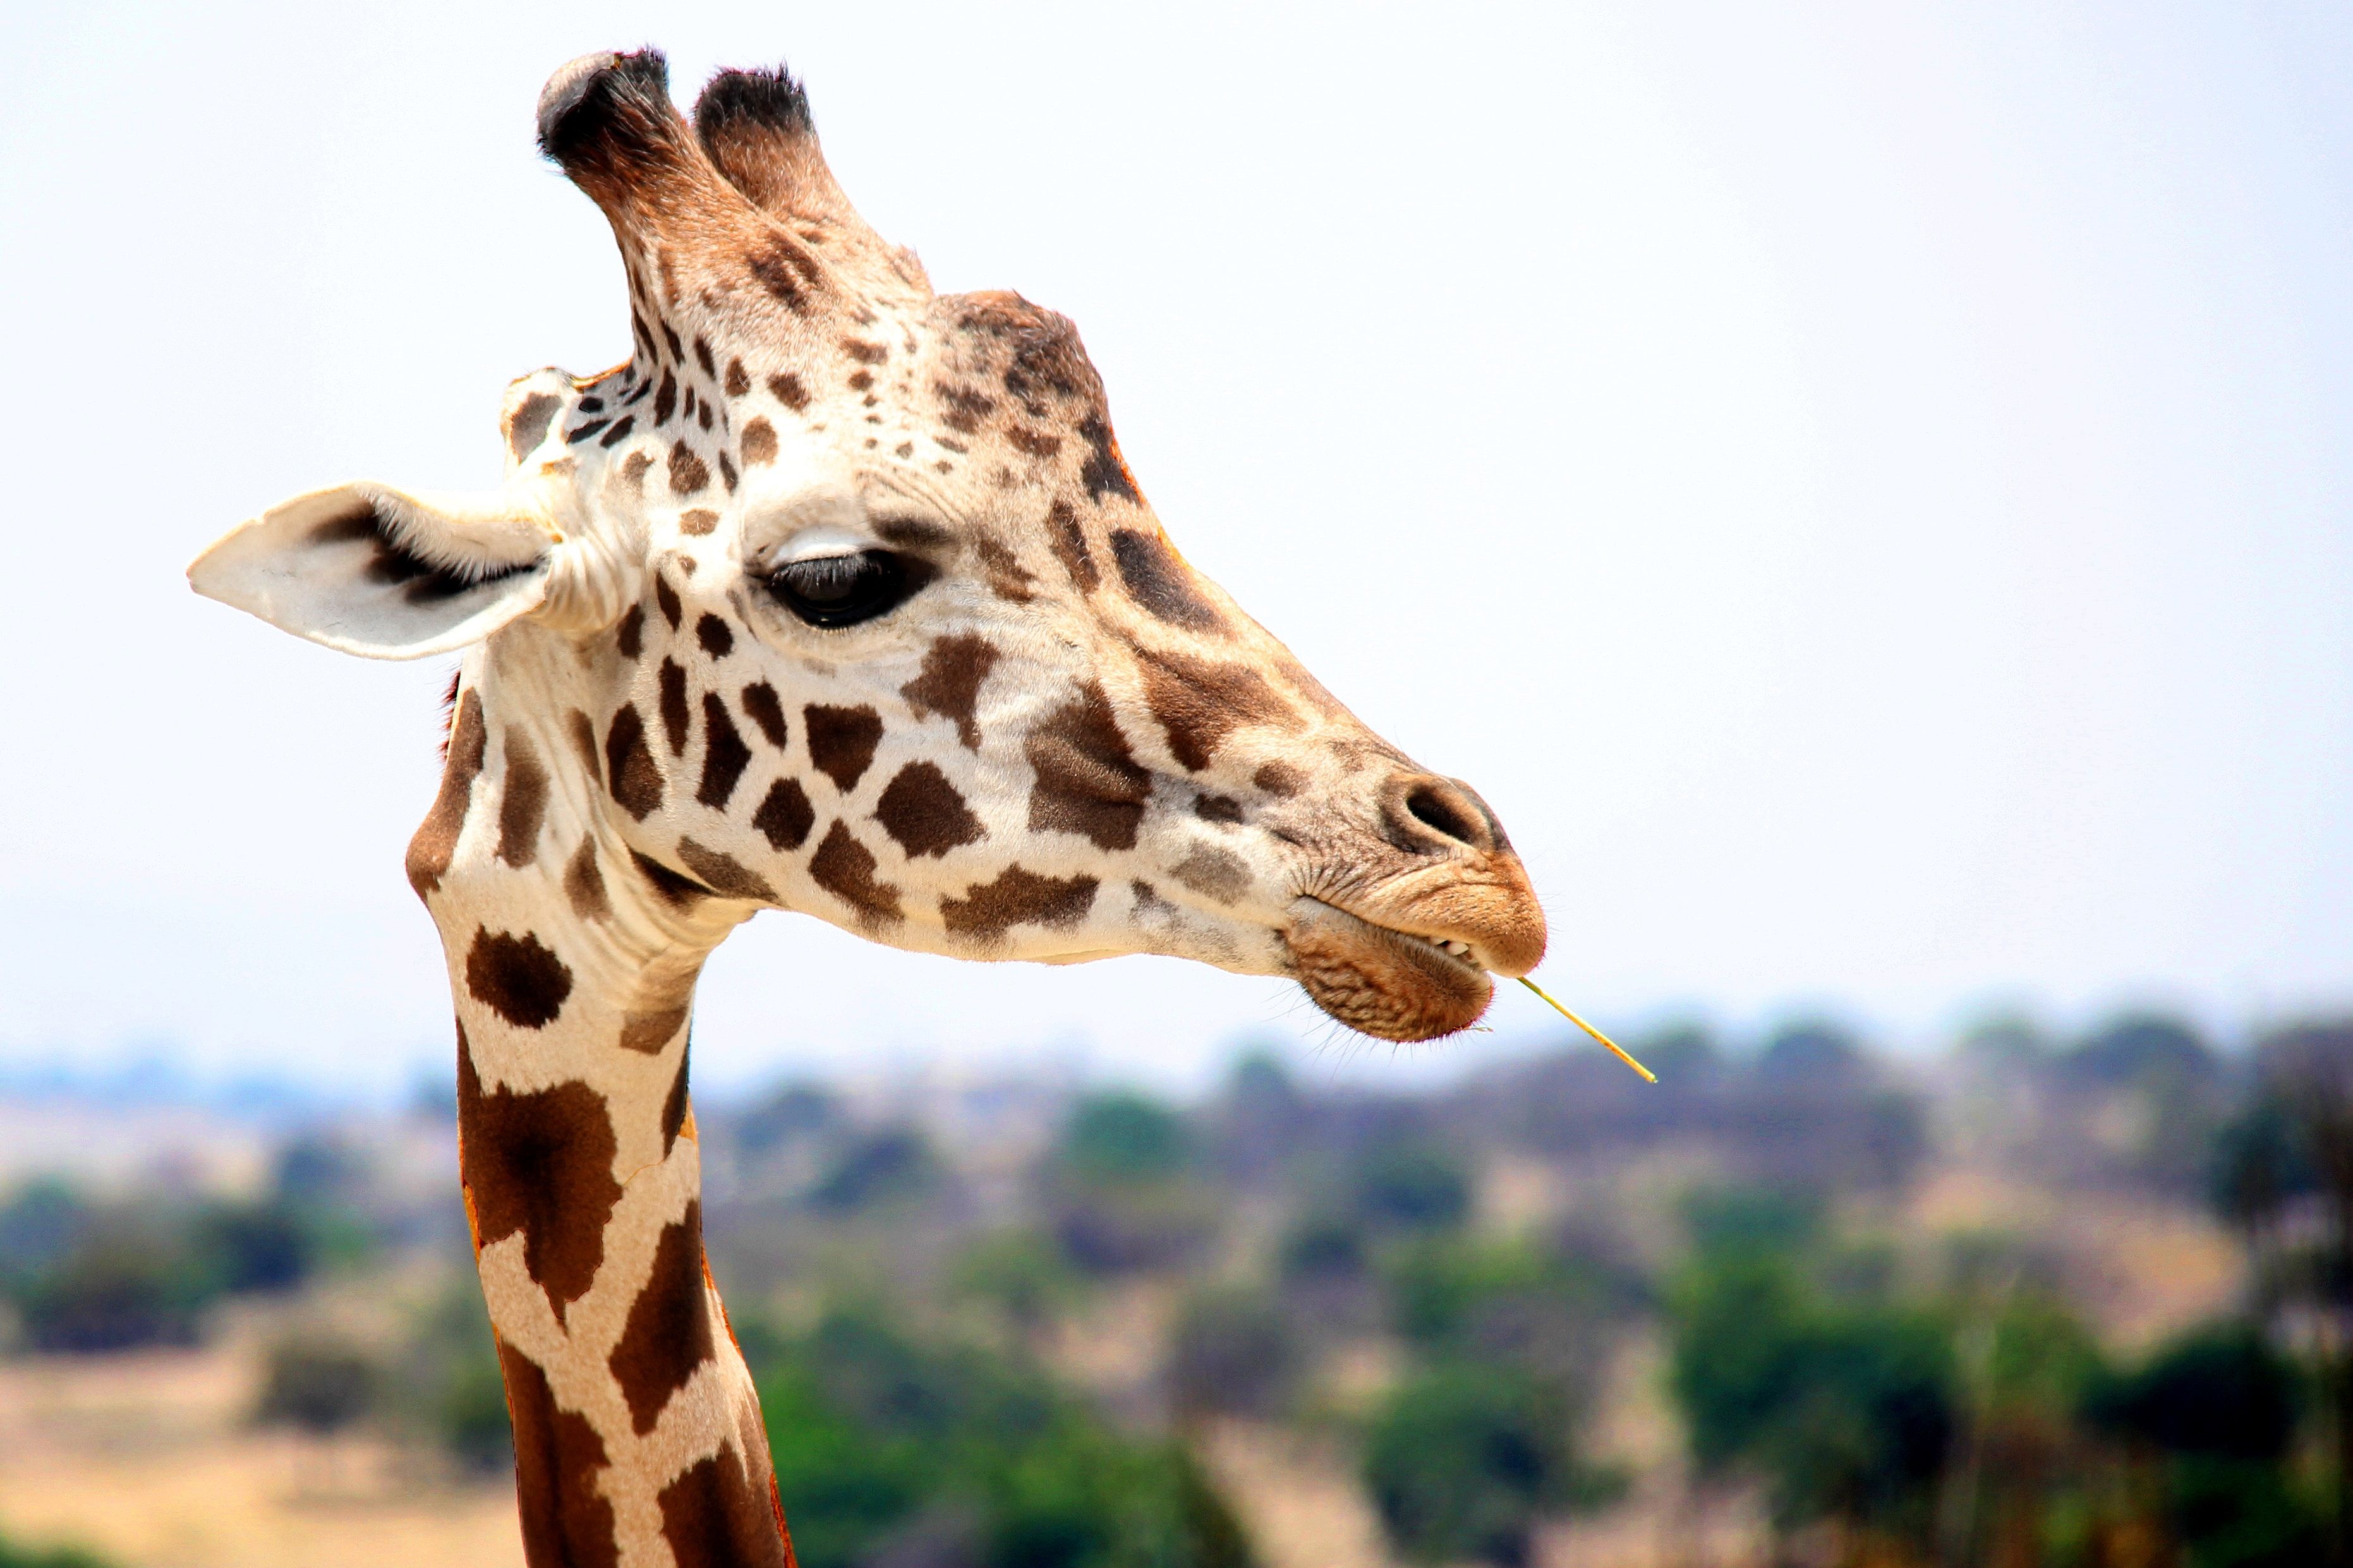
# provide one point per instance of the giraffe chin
(1380, 982)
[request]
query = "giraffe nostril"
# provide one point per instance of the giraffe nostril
(1443, 807)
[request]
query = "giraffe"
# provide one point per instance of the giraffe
(836, 596)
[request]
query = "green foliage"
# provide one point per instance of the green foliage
(14, 1556)
(887, 1167)
(446, 1386)
(2219, 1406)
(1019, 1272)
(2220, 1391)
(880, 1435)
(1464, 1458)
(1497, 1300)
(1846, 1408)
(1124, 1139)
(90, 1276)
(1410, 1185)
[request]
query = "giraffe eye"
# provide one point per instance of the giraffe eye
(843, 590)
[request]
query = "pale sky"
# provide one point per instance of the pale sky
(1864, 490)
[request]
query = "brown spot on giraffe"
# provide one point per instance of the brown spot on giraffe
(1087, 782)
(1280, 779)
(698, 521)
(1218, 808)
(713, 634)
(725, 754)
(924, 812)
(529, 427)
(687, 472)
(1156, 579)
(649, 1033)
(666, 399)
(674, 717)
(583, 884)
(517, 977)
(679, 892)
(713, 1517)
(845, 867)
(435, 842)
(630, 638)
(1007, 578)
(667, 597)
(539, 1164)
(634, 467)
(989, 910)
(1213, 873)
(1070, 546)
(620, 431)
(784, 817)
(787, 388)
(841, 741)
(723, 873)
(668, 1334)
(949, 683)
(761, 704)
(737, 382)
(582, 732)
(635, 780)
(523, 802)
(558, 1458)
(759, 442)
(1201, 701)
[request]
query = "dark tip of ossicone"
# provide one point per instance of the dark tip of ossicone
(591, 98)
(766, 97)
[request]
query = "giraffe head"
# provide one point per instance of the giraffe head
(838, 598)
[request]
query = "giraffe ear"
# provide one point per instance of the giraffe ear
(370, 570)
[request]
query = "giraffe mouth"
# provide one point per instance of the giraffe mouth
(1384, 982)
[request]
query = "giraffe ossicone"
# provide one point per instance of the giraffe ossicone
(836, 596)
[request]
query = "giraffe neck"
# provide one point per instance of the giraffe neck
(637, 1435)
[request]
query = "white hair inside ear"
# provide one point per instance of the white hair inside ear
(384, 573)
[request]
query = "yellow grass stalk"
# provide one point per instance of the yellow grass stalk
(1616, 1049)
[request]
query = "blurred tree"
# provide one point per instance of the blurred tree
(1121, 1187)
(2219, 1404)
(1020, 1273)
(791, 1113)
(265, 1246)
(883, 1168)
(1465, 1458)
(122, 1284)
(1407, 1183)
(1845, 1408)
(1123, 1138)
(320, 1382)
(882, 1438)
(1233, 1352)
(445, 1387)
(1814, 1052)
(40, 1222)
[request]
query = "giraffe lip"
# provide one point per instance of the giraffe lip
(1379, 980)
(1450, 949)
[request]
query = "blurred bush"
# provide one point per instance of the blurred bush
(891, 1445)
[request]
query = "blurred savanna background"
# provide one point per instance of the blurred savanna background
(1864, 490)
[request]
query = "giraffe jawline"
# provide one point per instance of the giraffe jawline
(1381, 981)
